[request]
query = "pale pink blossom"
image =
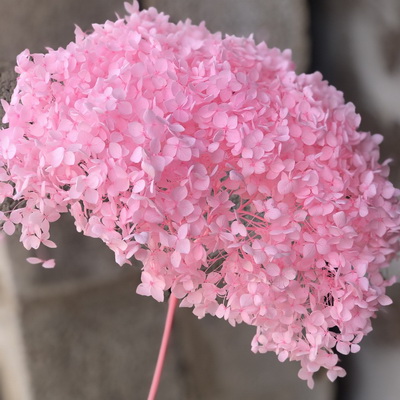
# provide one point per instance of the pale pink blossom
(245, 189)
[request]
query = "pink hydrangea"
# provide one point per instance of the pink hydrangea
(243, 188)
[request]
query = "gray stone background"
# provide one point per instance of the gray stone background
(80, 332)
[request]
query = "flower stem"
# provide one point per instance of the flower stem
(173, 301)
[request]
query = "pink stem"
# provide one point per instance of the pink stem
(173, 301)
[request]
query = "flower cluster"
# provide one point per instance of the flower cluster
(243, 188)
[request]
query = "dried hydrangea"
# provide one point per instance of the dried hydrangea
(243, 188)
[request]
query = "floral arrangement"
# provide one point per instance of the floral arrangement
(244, 189)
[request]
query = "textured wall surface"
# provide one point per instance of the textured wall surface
(36, 24)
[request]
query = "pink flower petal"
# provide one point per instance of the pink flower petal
(220, 119)
(34, 260)
(49, 264)
(9, 228)
(185, 208)
(56, 157)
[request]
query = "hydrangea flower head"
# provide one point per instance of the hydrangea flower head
(244, 188)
